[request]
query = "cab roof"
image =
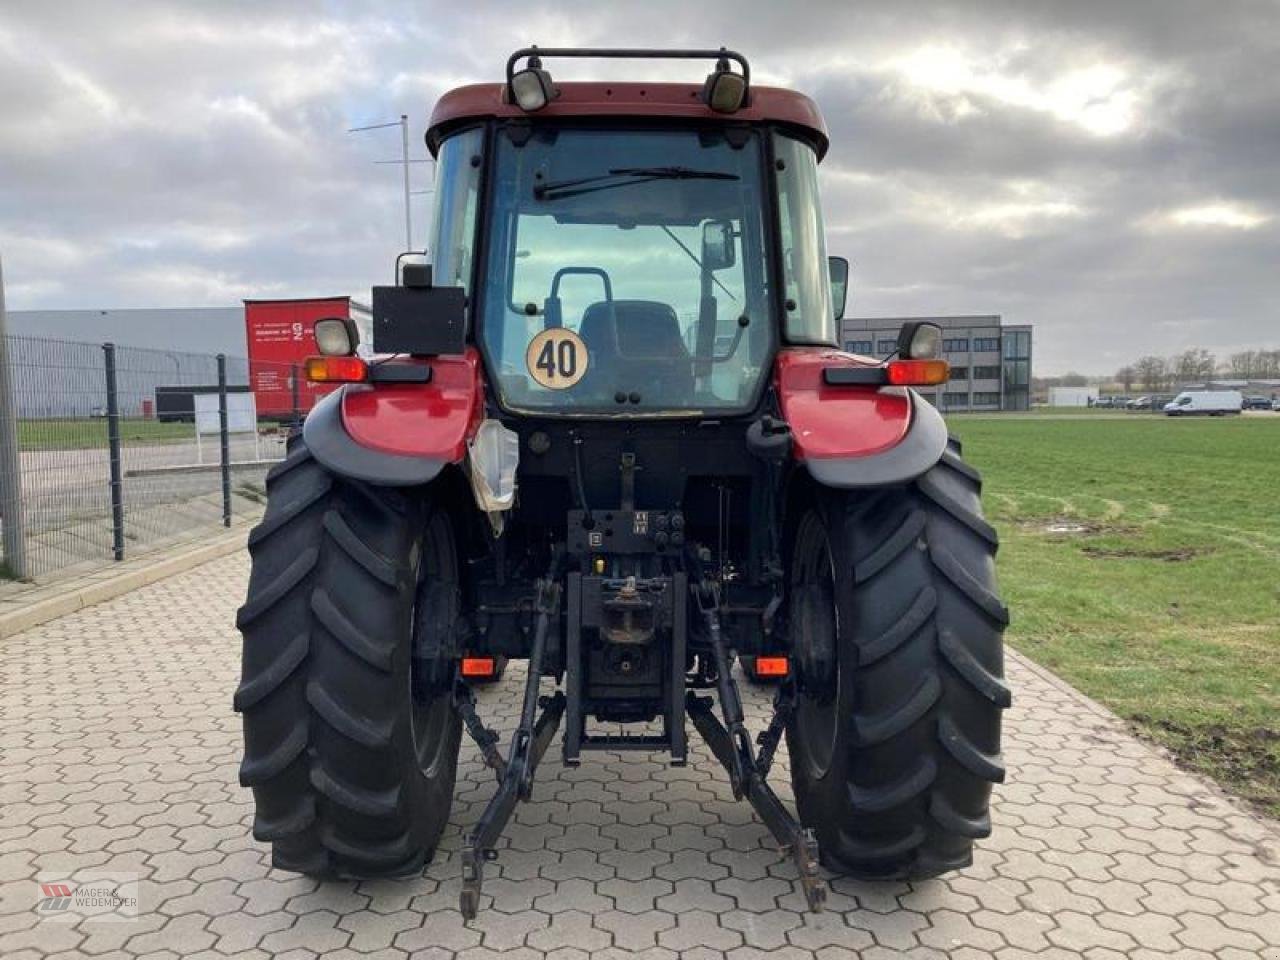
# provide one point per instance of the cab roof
(647, 101)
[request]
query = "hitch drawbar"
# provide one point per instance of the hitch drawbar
(729, 741)
(515, 777)
(731, 744)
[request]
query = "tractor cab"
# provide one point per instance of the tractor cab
(645, 250)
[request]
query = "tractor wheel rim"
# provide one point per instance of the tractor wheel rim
(817, 714)
(430, 701)
(429, 720)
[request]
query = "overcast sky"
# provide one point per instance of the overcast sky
(1108, 171)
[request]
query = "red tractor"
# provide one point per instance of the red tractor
(608, 431)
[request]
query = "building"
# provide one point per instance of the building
(990, 360)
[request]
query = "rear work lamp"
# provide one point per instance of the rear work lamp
(532, 88)
(724, 91)
(920, 340)
(336, 336)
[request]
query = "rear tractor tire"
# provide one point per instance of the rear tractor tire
(351, 737)
(897, 640)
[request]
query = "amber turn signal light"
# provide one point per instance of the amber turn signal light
(917, 373)
(478, 667)
(336, 370)
(772, 667)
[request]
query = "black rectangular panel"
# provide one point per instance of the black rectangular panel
(423, 321)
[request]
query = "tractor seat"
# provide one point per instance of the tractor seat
(635, 345)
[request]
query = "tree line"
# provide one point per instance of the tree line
(1163, 373)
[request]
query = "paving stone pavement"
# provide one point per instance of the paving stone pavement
(118, 752)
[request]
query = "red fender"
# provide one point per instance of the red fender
(831, 421)
(433, 420)
(400, 434)
(854, 436)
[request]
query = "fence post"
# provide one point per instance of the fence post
(15, 541)
(295, 389)
(113, 443)
(224, 440)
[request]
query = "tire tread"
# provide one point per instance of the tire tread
(908, 790)
(324, 690)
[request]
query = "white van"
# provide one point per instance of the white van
(1215, 403)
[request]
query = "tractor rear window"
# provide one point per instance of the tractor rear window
(626, 272)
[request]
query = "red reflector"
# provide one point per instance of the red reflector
(336, 370)
(477, 666)
(772, 667)
(915, 373)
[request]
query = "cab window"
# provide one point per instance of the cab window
(453, 224)
(626, 271)
(810, 313)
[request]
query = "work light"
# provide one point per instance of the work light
(724, 91)
(919, 341)
(532, 88)
(336, 336)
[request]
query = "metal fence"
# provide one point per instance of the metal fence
(120, 449)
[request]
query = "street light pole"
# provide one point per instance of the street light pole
(403, 124)
(14, 535)
(408, 223)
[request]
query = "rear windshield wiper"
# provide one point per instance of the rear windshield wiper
(621, 177)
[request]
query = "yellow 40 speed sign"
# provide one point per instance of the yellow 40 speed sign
(556, 358)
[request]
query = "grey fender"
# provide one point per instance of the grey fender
(920, 449)
(332, 446)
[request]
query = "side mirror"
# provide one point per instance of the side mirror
(717, 245)
(920, 340)
(838, 269)
(417, 318)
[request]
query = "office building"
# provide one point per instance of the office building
(990, 360)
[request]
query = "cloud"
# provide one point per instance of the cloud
(1100, 170)
(1103, 99)
(1227, 215)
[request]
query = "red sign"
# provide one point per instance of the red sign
(280, 338)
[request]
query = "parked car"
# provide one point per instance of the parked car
(1275, 404)
(1258, 403)
(1215, 403)
(1139, 403)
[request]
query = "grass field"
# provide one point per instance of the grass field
(86, 433)
(1140, 557)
